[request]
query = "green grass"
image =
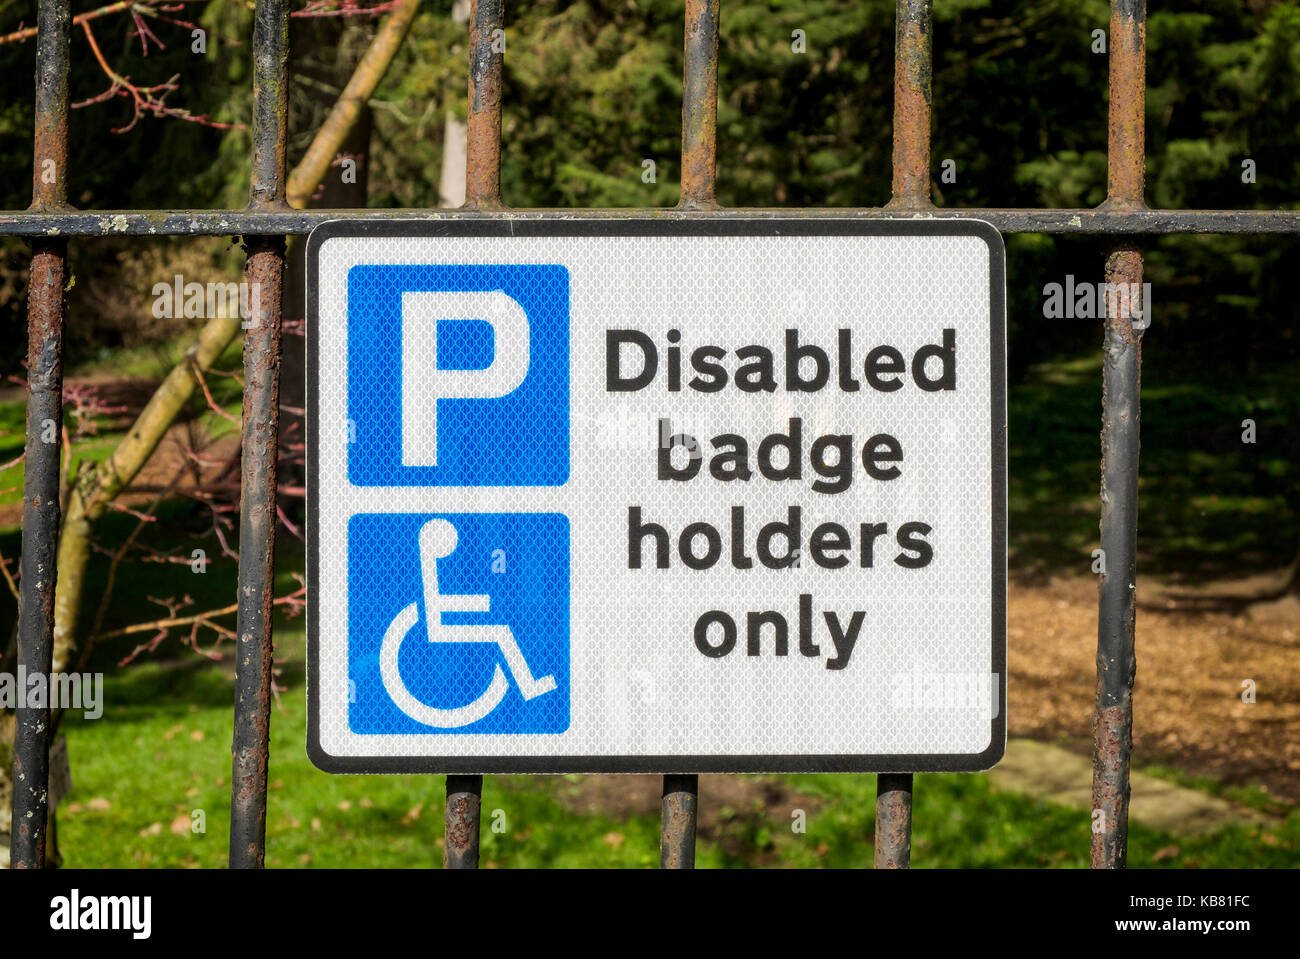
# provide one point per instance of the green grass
(162, 751)
(1210, 506)
(13, 419)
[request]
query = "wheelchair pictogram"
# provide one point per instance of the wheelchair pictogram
(437, 541)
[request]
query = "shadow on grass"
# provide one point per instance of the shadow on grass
(1210, 505)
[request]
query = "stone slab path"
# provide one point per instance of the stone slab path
(1057, 775)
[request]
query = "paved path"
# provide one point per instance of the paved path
(1057, 775)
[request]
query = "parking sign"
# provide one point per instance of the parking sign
(689, 495)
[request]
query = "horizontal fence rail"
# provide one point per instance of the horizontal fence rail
(1095, 221)
(267, 221)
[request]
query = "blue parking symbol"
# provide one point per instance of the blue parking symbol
(458, 623)
(458, 375)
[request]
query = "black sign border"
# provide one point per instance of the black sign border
(733, 225)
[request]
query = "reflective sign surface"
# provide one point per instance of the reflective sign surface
(658, 496)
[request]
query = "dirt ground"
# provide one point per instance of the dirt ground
(1194, 653)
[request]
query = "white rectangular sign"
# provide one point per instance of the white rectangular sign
(679, 495)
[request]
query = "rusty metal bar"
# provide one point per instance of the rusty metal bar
(464, 802)
(482, 194)
(1120, 441)
(270, 103)
(1117, 599)
(1103, 221)
(40, 538)
(680, 799)
(40, 533)
(913, 70)
(679, 811)
(50, 160)
(700, 107)
(483, 125)
(264, 274)
(912, 73)
(1126, 136)
(893, 821)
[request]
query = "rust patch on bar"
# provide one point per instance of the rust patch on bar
(700, 107)
(913, 58)
(483, 124)
(1124, 275)
(893, 821)
(264, 272)
(678, 815)
(50, 155)
(40, 535)
(459, 826)
(1126, 138)
(461, 822)
(1113, 736)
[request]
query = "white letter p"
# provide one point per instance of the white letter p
(423, 383)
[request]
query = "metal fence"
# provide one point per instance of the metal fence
(268, 219)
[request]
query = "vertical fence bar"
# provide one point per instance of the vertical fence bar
(264, 273)
(680, 802)
(40, 534)
(482, 192)
(1117, 599)
(1120, 440)
(679, 810)
(40, 537)
(464, 805)
(913, 58)
(893, 821)
(700, 107)
(1126, 139)
(483, 125)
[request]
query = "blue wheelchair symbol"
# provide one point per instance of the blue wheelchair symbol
(492, 593)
